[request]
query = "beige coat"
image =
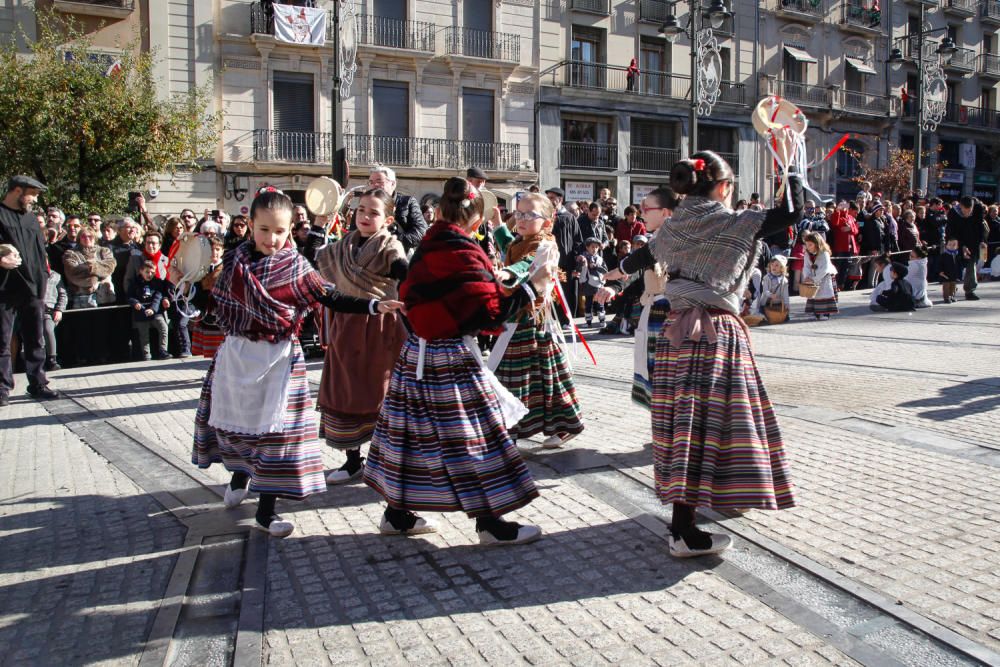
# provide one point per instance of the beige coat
(85, 268)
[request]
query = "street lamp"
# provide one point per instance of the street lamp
(930, 77)
(706, 61)
(344, 34)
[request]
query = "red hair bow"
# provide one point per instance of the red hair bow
(699, 164)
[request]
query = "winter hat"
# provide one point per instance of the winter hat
(781, 259)
(900, 269)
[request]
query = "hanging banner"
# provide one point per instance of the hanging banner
(578, 191)
(300, 25)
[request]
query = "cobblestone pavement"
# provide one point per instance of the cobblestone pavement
(885, 416)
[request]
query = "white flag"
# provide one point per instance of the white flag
(300, 25)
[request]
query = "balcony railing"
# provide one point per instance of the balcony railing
(964, 59)
(483, 44)
(862, 103)
(602, 7)
(967, 7)
(432, 153)
(650, 159)
(654, 11)
(315, 148)
(115, 4)
(909, 46)
(803, 93)
(989, 65)
(989, 11)
(395, 33)
(115, 9)
(613, 78)
(732, 159)
(959, 114)
(588, 155)
(810, 9)
(859, 15)
(289, 146)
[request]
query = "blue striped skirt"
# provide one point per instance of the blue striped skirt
(440, 443)
(287, 464)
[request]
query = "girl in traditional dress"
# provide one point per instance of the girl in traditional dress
(528, 358)
(657, 208)
(818, 269)
(361, 348)
(716, 441)
(441, 443)
(254, 415)
(773, 291)
(206, 336)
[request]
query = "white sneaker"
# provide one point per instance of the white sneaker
(234, 497)
(680, 549)
(421, 527)
(278, 527)
(343, 476)
(525, 534)
(556, 441)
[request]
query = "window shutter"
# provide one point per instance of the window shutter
(294, 103)
(391, 109)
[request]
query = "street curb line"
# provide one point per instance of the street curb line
(249, 648)
(157, 646)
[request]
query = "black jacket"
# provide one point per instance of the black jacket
(409, 226)
(568, 238)
(898, 298)
(56, 250)
(873, 235)
(968, 230)
(592, 229)
(20, 229)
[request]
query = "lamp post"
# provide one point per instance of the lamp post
(345, 43)
(706, 61)
(929, 76)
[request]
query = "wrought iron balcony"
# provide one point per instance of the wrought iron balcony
(989, 11)
(909, 45)
(857, 16)
(289, 146)
(807, 10)
(588, 155)
(862, 103)
(602, 7)
(963, 59)
(654, 11)
(432, 153)
(960, 7)
(804, 94)
(651, 159)
(989, 65)
(959, 114)
(614, 79)
(483, 44)
(396, 34)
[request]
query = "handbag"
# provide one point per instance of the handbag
(106, 292)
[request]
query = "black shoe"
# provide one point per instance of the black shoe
(43, 393)
(4, 400)
(52, 365)
(971, 296)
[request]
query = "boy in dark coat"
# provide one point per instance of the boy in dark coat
(899, 297)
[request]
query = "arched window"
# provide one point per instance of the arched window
(849, 166)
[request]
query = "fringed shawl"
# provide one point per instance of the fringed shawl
(360, 267)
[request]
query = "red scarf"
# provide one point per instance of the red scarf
(450, 289)
(161, 271)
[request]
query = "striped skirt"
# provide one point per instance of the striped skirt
(716, 441)
(440, 444)
(343, 431)
(822, 306)
(534, 368)
(286, 464)
(642, 387)
(205, 340)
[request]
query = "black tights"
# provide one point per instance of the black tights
(265, 506)
(682, 524)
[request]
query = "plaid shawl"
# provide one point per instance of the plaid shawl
(265, 298)
(708, 243)
(450, 289)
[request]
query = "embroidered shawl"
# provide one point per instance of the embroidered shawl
(450, 289)
(360, 267)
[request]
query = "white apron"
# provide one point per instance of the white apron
(250, 386)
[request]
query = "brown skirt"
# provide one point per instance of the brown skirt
(360, 353)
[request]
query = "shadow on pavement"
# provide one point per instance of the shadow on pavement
(960, 400)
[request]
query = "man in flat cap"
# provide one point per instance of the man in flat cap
(568, 239)
(23, 278)
(476, 176)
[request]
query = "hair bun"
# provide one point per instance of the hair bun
(683, 177)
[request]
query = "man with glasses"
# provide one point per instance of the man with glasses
(57, 249)
(409, 226)
(123, 246)
(189, 219)
(94, 220)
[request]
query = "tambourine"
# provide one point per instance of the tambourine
(324, 196)
(190, 259)
(773, 114)
(490, 204)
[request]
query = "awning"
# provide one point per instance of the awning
(860, 65)
(799, 55)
